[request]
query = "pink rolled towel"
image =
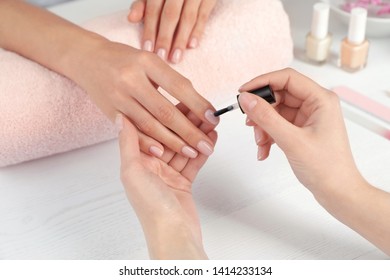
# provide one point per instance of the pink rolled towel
(43, 113)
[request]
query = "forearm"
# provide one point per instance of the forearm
(363, 208)
(44, 37)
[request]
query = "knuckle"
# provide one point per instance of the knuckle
(152, 11)
(181, 84)
(203, 17)
(170, 14)
(144, 57)
(190, 136)
(146, 126)
(189, 17)
(163, 41)
(166, 114)
(334, 99)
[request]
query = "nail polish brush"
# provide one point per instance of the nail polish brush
(264, 92)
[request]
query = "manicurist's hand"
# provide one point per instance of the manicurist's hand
(171, 26)
(160, 192)
(307, 124)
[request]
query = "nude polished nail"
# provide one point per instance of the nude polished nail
(354, 48)
(189, 152)
(176, 57)
(318, 41)
(162, 53)
(157, 152)
(148, 46)
(193, 43)
(209, 115)
(205, 148)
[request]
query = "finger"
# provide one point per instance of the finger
(178, 162)
(261, 137)
(169, 18)
(185, 26)
(249, 122)
(263, 151)
(128, 141)
(151, 23)
(150, 146)
(152, 127)
(265, 116)
(194, 165)
(168, 115)
(137, 10)
(203, 15)
(181, 89)
(288, 84)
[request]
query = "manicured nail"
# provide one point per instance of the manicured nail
(189, 152)
(247, 101)
(176, 58)
(205, 148)
(157, 152)
(193, 43)
(162, 53)
(119, 122)
(148, 46)
(209, 115)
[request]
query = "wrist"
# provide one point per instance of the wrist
(76, 61)
(174, 240)
(340, 192)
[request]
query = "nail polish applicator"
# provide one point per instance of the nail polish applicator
(264, 92)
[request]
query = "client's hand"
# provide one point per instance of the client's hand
(160, 192)
(170, 26)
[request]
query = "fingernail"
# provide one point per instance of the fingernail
(176, 58)
(247, 101)
(248, 120)
(257, 137)
(209, 115)
(205, 148)
(162, 53)
(148, 46)
(157, 152)
(189, 152)
(260, 154)
(119, 122)
(193, 43)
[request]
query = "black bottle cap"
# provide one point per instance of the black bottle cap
(264, 92)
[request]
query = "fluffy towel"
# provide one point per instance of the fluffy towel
(43, 113)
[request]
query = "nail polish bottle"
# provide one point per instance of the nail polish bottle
(318, 40)
(354, 48)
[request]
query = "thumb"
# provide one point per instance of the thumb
(128, 140)
(266, 117)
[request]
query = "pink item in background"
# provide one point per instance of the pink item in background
(43, 113)
(374, 7)
(367, 105)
